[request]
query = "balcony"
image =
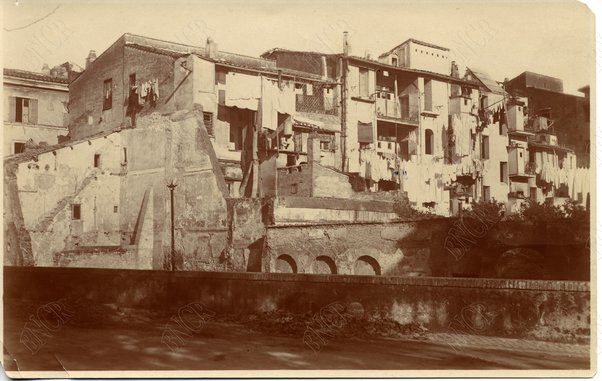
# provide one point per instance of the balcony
(387, 108)
(520, 173)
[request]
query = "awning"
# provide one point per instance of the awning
(306, 122)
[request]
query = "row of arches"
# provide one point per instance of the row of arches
(364, 265)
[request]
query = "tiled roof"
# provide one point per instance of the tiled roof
(416, 71)
(34, 76)
(30, 154)
(241, 61)
(487, 81)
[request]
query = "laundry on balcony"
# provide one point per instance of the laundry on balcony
(145, 92)
(275, 99)
(243, 91)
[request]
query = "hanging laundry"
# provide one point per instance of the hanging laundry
(243, 91)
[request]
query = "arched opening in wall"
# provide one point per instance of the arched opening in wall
(366, 265)
(429, 142)
(324, 265)
(286, 264)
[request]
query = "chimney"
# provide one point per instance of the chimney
(211, 48)
(346, 47)
(91, 57)
(455, 72)
(324, 68)
(45, 69)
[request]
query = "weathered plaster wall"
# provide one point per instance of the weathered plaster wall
(125, 202)
(98, 257)
(548, 310)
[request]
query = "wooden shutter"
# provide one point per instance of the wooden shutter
(12, 109)
(33, 111)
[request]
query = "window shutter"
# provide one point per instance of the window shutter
(33, 111)
(12, 109)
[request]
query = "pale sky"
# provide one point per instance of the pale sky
(503, 38)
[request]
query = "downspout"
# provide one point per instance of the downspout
(343, 68)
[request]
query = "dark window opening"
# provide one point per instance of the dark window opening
(428, 142)
(125, 155)
(486, 193)
(19, 147)
(23, 110)
(107, 94)
(485, 148)
(208, 121)
(76, 210)
(503, 172)
(293, 188)
(97, 161)
(115, 208)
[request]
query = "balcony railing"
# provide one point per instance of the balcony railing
(389, 108)
(321, 99)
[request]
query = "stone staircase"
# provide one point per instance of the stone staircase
(46, 221)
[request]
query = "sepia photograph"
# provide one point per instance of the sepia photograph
(298, 189)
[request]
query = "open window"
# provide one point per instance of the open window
(107, 94)
(429, 142)
(76, 211)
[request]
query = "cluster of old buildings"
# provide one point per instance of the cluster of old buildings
(330, 138)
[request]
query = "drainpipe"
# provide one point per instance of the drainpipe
(343, 68)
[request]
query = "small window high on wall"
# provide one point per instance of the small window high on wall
(107, 94)
(76, 211)
(97, 160)
(429, 142)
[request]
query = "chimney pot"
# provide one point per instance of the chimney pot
(91, 57)
(211, 48)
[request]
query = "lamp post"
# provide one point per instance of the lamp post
(171, 187)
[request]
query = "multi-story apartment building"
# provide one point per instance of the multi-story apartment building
(137, 76)
(568, 114)
(410, 122)
(35, 109)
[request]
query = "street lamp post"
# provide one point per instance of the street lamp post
(171, 187)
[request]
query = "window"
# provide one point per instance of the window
(18, 147)
(125, 155)
(394, 61)
(115, 208)
(208, 121)
(235, 137)
(503, 172)
(293, 188)
(325, 145)
(486, 193)
(428, 142)
(23, 110)
(428, 95)
(107, 94)
(485, 148)
(97, 161)
(364, 82)
(76, 211)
